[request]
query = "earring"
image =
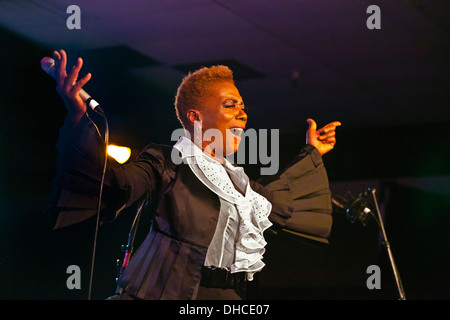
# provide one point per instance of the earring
(198, 133)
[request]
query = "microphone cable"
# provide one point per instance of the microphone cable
(48, 65)
(96, 108)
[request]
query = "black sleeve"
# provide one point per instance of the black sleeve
(75, 189)
(300, 196)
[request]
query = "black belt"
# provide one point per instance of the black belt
(213, 277)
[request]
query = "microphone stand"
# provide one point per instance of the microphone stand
(388, 248)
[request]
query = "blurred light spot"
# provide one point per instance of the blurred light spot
(120, 154)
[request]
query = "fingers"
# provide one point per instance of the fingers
(80, 83)
(334, 124)
(327, 135)
(60, 62)
(323, 139)
(73, 74)
(68, 82)
(329, 128)
(58, 71)
(63, 60)
(56, 56)
(60, 58)
(330, 140)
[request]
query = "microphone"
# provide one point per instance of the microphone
(359, 209)
(48, 65)
(356, 208)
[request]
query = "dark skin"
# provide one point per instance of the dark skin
(222, 110)
(68, 86)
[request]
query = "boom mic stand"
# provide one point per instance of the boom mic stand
(388, 248)
(359, 209)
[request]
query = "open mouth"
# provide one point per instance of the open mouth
(236, 131)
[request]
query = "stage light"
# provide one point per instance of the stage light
(120, 154)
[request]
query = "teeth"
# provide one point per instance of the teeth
(236, 131)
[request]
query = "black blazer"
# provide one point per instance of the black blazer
(167, 265)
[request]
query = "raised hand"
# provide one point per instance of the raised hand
(323, 139)
(68, 86)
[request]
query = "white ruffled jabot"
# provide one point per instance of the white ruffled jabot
(243, 216)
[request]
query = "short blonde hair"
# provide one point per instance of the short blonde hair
(196, 86)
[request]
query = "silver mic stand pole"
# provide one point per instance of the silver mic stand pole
(388, 248)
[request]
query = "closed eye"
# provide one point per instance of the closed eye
(245, 109)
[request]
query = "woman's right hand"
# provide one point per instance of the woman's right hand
(69, 87)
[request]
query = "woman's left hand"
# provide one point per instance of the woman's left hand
(323, 139)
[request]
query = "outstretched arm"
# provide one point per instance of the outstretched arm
(81, 152)
(300, 194)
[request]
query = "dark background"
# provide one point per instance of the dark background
(394, 138)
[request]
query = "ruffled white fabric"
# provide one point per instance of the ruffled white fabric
(247, 212)
(250, 242)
